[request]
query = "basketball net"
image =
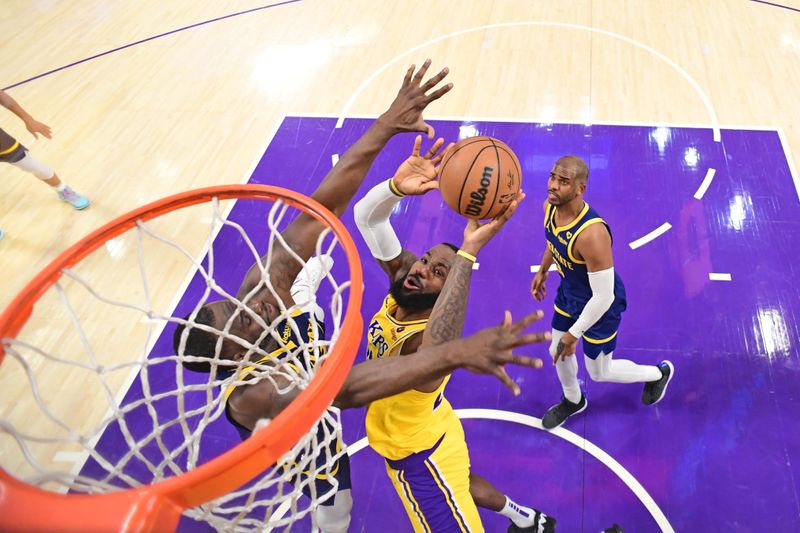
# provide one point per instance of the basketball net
(83, 418)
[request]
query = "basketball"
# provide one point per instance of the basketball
(479, 177)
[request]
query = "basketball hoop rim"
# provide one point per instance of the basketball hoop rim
(158, 504)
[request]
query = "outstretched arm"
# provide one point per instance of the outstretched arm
(415, 176)
(33, 125)
(340, 185)
(485, 352)
(447, 317)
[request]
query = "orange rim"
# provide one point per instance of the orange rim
(159, 506)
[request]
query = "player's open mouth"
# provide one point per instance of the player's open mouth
(411, 284)
(551, 196)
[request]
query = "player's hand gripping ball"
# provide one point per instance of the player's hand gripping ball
(479, 177)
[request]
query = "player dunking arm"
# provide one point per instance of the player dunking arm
(12, 151)
(417, 431)
(590, 298)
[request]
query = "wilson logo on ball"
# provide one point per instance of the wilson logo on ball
(479, 177)
(478, 198)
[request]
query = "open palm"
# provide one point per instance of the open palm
(417, 174)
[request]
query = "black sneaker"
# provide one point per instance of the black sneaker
(654, 390)
(558, 414)
(614, 529)
(541, 524)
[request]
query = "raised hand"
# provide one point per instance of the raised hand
(417, 174)
(405, 112)
(489, 350)
(477, 234)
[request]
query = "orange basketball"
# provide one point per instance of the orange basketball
(479, 177)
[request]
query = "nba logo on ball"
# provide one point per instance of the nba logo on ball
(479, 177)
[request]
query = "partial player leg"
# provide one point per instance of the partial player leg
(335, 518)
(434, 486)
(523, 519)
(66, 194)
(573, 401)
(605, 368)
(567, 370)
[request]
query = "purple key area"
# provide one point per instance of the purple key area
(714, 292)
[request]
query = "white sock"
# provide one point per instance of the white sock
(521, 516)
(60, 187)
(567, 370)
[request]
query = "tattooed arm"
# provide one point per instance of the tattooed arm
(447, 317)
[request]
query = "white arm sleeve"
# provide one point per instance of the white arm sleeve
(304, 288)
(602, 283)
(372, 218)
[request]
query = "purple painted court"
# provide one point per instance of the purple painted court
(715, 294)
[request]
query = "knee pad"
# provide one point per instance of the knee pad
(335, 518)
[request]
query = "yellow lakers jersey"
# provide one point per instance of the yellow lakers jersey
(411, 421)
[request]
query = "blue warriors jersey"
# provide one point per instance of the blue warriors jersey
(575, 290)
(410, 421)
(308, 330)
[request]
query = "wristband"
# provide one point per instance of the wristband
(467, 255)
(394, 189)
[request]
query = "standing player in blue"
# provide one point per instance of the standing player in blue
(590, 298)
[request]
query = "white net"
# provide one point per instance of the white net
(97, 400)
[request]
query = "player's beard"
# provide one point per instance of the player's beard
(412, 301)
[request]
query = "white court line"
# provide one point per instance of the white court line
(706, 182)
(476, 266)
(531, 421)
(535, 268)
(663, 228)
(788, 153)
(703, 96)
(719, 276)
(334, 159)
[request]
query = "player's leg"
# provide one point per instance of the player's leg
(599, 344)
(603, 367)
(567, 370)
(523, 519)
(434, 486)
(573, 401)
(333, 515)
(32, 165)
(335, 518)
